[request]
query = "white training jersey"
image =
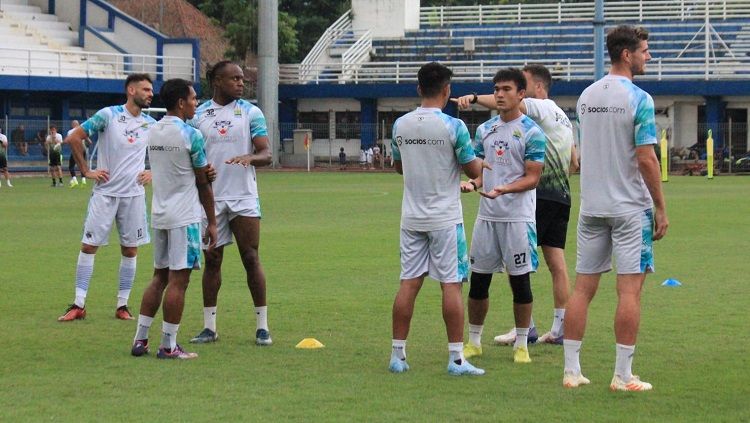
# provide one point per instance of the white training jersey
(614, 117)
(3, 144)
(174, 150)
(553, 184)
(506, 147)
(431, 147)
(229, 131)
(121, 150)
(56, 139)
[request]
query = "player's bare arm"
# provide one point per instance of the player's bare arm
(206, 197)
(648, 165)
(261, 157)
(74, 139)
(529, 180)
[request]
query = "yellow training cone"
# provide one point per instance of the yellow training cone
(309, 344)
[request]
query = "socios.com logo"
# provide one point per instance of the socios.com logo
(399, 140)
(583, 108)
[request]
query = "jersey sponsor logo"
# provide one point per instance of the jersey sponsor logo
(222, 126)
(562, 119)
(132, 135)
(501, 147)
(601, 109)
(418, 141)
(164, 148)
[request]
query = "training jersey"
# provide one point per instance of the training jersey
(506, 147)
(553, 184)
(431, 147)
(174, 150)
(228, 131)
(121, 149)
(614, 117)
(3, 144)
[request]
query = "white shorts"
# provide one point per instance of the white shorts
(178, 248)
(441, 254)
(225, 211)
(629, 238)
(497, 246)
(128, 212)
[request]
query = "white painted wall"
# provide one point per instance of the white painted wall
(69, 11)
(326, 104)
(385, 18)
(178, 68)
(42, 4)
(96, 16)
(685, 131)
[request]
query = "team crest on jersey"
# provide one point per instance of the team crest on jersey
(517, 134)
(132, 135)
(237, 111)
(222, 126)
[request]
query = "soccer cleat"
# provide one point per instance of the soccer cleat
(83, 181)
(634, 385)
(9, 184)
(471, 350)
(398, 366)
(140, 347)
(510, 337)
(547, 338)
(206, 336)
(73, 313)
(178, 353)
(574, 380)
(263, 337)
(521, 355)
(123, 313)
(73, 183)
(463, 369)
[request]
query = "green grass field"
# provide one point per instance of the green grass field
(330, 251)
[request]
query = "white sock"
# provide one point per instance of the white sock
(83, 179)
(624, 362)
(572, 351)
(531, 323)
(398, 349)
(209, 318)
(475, 334)
(144, 324)
(7, 181)
(84, 270)
(456, 352)
(169, 335)
(557, 323)
(522, 338)
(127, 276)
(261, 317)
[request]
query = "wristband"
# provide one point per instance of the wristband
(474, 99)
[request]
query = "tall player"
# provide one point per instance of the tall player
(72, 161)
(181, 188)
(430, 149)
(622, 206)
(236, 142)
(552, 193)
(504, 237)
(118, 194)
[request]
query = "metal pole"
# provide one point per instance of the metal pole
(599, 40)
(707, 28)
(730, 145)
(268, 77)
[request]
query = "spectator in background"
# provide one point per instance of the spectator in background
(18, 138)
(376, 155)
(41, 139)
(362, 158)
(72, 161)
(54, 152)
(342, 159)
(368, 157)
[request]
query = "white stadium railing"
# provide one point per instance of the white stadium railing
(65, 63)
(571, 12)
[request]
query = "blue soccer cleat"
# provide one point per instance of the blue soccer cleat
(140, 347)
(398, 366)
(463, 369)
(206, 336)
(263, 337)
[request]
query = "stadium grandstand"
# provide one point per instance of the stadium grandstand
(361, 74)
(62, 60)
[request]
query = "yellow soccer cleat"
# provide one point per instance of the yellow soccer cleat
(574, 380)
(471, 350)
(521, 355)
(634, 385)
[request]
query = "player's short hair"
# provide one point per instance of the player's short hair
(624, 37)
(137, 77)
(432, 78)
(511, 74)
(540, 73)
(51, 127)
(173, 90)
(214, 70)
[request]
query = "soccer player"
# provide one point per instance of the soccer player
(504, 237)
(430, 149)
(118, 194)
(4, 159)
(180, 188)
(236, 142)
(622, 206)
(72, 161)
(54, 153)
(552, 193)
